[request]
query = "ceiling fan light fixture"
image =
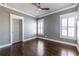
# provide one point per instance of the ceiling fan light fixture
(39, 9)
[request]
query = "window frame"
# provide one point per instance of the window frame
(67, 16)
(40, 20)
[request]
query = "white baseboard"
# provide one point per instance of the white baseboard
(78, 48)
(29, 39)
(2, 46)
(58, 41)
(45, 39)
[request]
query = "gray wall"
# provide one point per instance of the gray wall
(29, 25)
(52, 26)
(4, 27)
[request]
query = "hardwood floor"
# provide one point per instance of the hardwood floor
(39, 47)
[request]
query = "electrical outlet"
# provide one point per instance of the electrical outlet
(45, 35)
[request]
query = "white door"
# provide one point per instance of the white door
(16, 30)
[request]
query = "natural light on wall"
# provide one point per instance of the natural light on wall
(68, 25)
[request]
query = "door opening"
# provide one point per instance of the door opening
(16, 28)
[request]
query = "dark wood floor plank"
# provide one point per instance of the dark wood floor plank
(39, 47)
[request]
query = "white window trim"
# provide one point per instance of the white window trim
(64, 16)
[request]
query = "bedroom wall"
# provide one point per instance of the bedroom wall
(52, 25)
(29, 25)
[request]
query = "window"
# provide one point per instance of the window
(78, 29)
(40, 26)
(67, 25)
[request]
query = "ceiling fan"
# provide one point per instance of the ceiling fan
(38, 5)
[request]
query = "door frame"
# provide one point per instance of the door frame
(12, 16)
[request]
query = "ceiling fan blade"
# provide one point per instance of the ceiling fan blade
(45, 8)
(38, 6)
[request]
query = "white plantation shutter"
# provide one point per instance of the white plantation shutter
(68, 25)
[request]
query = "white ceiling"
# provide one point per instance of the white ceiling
(32, 10)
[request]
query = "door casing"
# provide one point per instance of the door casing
(12, 16)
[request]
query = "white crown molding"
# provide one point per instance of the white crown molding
(11, 8)
(66, 8)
